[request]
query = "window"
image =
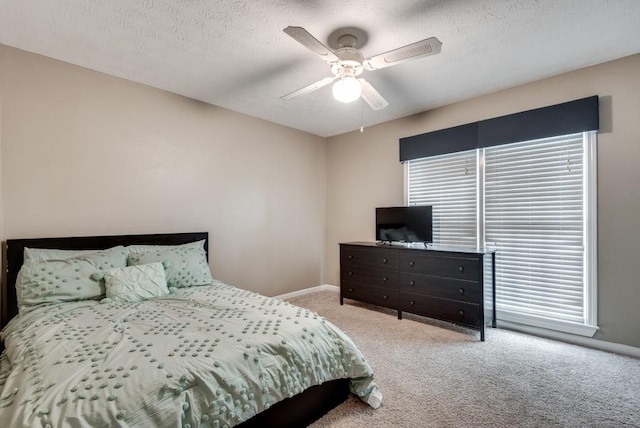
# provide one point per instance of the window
(535, 202)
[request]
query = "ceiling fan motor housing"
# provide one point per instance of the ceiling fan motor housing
(350, 63)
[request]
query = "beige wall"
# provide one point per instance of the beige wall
(363, 172)
(84, 153)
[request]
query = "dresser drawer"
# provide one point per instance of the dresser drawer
(380, 258)
(443, 309)
(369, 277)
(436, 265)
(374, 295)
(436, 286)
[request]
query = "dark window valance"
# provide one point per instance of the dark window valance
(560, 119)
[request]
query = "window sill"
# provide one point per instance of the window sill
(554, 325)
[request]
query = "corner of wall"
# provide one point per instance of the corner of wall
(325, 217)
(2, 279)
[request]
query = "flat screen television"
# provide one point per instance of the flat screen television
(404, 224)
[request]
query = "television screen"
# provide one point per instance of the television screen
(404, 224)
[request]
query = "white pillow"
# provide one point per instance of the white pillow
(135, 283)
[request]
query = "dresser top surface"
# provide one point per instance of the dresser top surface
(422, 247)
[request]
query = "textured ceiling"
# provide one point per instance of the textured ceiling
(233, 53)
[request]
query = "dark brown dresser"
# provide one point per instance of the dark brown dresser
(454, 284)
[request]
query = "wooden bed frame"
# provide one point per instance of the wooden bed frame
(297, 411)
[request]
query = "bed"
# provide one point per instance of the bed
(201, 355)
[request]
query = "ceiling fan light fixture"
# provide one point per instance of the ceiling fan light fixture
(347, 89)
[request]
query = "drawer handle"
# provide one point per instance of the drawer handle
(384, 278)
(351, 289)
(461, 313)
(412, 283)
(385, 297)
(349, 256)
(412, 264)
(461, 268)
(461, 291)
(350, 273)
(412, 303)
(384, 260)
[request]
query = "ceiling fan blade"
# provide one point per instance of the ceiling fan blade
(309, 88)
(303, 37)
(371, 96)
(426, 47)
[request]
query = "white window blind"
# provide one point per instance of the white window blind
(448, 183)
(533, 215)
(535, 203)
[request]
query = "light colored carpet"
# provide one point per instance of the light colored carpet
(432, 376)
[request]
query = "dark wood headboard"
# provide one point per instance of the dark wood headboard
(15, 255)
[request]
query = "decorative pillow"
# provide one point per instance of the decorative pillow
(54, 281)
(185, 265)
(42, 254)
(135, 283)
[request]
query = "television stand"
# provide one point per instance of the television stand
(403, 244)
(384, 243)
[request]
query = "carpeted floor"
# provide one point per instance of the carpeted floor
(432, 376)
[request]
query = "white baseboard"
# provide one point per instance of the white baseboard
(307, 291)
(616, 348)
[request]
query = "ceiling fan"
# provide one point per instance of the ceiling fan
(347, 63)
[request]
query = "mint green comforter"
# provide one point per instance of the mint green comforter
(205, 356)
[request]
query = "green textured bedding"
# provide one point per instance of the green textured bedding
(205, 356)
